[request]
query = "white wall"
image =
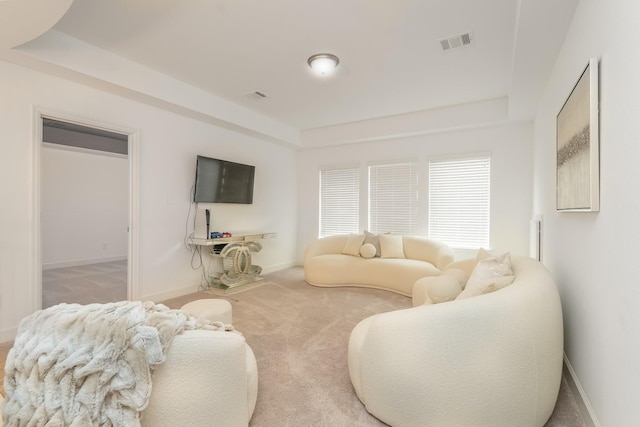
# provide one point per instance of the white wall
(169, 144)
(594, 256)
(511, 176)
(84, 205)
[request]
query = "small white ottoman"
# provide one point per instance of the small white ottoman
(212, 309)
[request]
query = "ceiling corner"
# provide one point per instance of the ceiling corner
(541, 26)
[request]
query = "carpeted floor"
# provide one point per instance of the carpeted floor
(85, 284)
(299, 334)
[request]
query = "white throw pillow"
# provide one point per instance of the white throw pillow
(367, 250)
(352, 245)
(443, 289)
(489, 275)
(391, 246)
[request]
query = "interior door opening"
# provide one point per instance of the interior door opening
(85, 213)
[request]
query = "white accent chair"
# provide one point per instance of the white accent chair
(208, 378)
(489, 360)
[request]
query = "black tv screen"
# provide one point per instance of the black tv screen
(221, 181)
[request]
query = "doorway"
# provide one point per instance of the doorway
(85, 209)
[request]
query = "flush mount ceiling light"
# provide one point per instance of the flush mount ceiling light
(323, 64)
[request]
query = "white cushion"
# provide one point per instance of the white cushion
(489, 275)
(435, 289)
(391, 246)
(457, 273)
(212, 309)
(352, 245)
(443, 289)
(367, 250)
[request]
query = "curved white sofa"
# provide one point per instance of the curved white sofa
(325, 264)
(489, 360)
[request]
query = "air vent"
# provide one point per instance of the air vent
(257, 94)
(454, 42)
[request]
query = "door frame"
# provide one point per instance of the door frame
(133, 138)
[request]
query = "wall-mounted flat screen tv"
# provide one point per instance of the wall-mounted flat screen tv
(221, 181)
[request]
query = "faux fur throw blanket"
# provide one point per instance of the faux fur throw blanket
(89, 365)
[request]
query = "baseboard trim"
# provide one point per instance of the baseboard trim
(584, 405)
(7, 335)
(79, 262)
(278, 267)
(175, 293)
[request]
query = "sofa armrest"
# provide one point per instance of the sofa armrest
(203, 381)
(433, 251)
(445, 256)
(466, 265)
(325, 245)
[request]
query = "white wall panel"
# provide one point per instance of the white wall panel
(169, 144)
(594, 256)
(85, 206)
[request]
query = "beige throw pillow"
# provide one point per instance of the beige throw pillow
(374, 240)
(391, 246)
(489, 275)
(482, 255)
(352, 245)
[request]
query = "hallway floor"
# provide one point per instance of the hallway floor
(85, 284)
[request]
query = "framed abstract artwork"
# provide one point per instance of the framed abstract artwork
(578, 147)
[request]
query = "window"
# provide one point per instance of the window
(393, 198)
(339, 201)
(459, 201)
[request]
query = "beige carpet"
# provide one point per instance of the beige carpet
(85, 284)
(299, 334)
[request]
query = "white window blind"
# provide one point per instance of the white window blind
(339, 201)
(459, 201)
(393, 198)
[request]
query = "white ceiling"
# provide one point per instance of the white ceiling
(391, 62)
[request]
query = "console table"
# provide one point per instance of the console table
(235, 253)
